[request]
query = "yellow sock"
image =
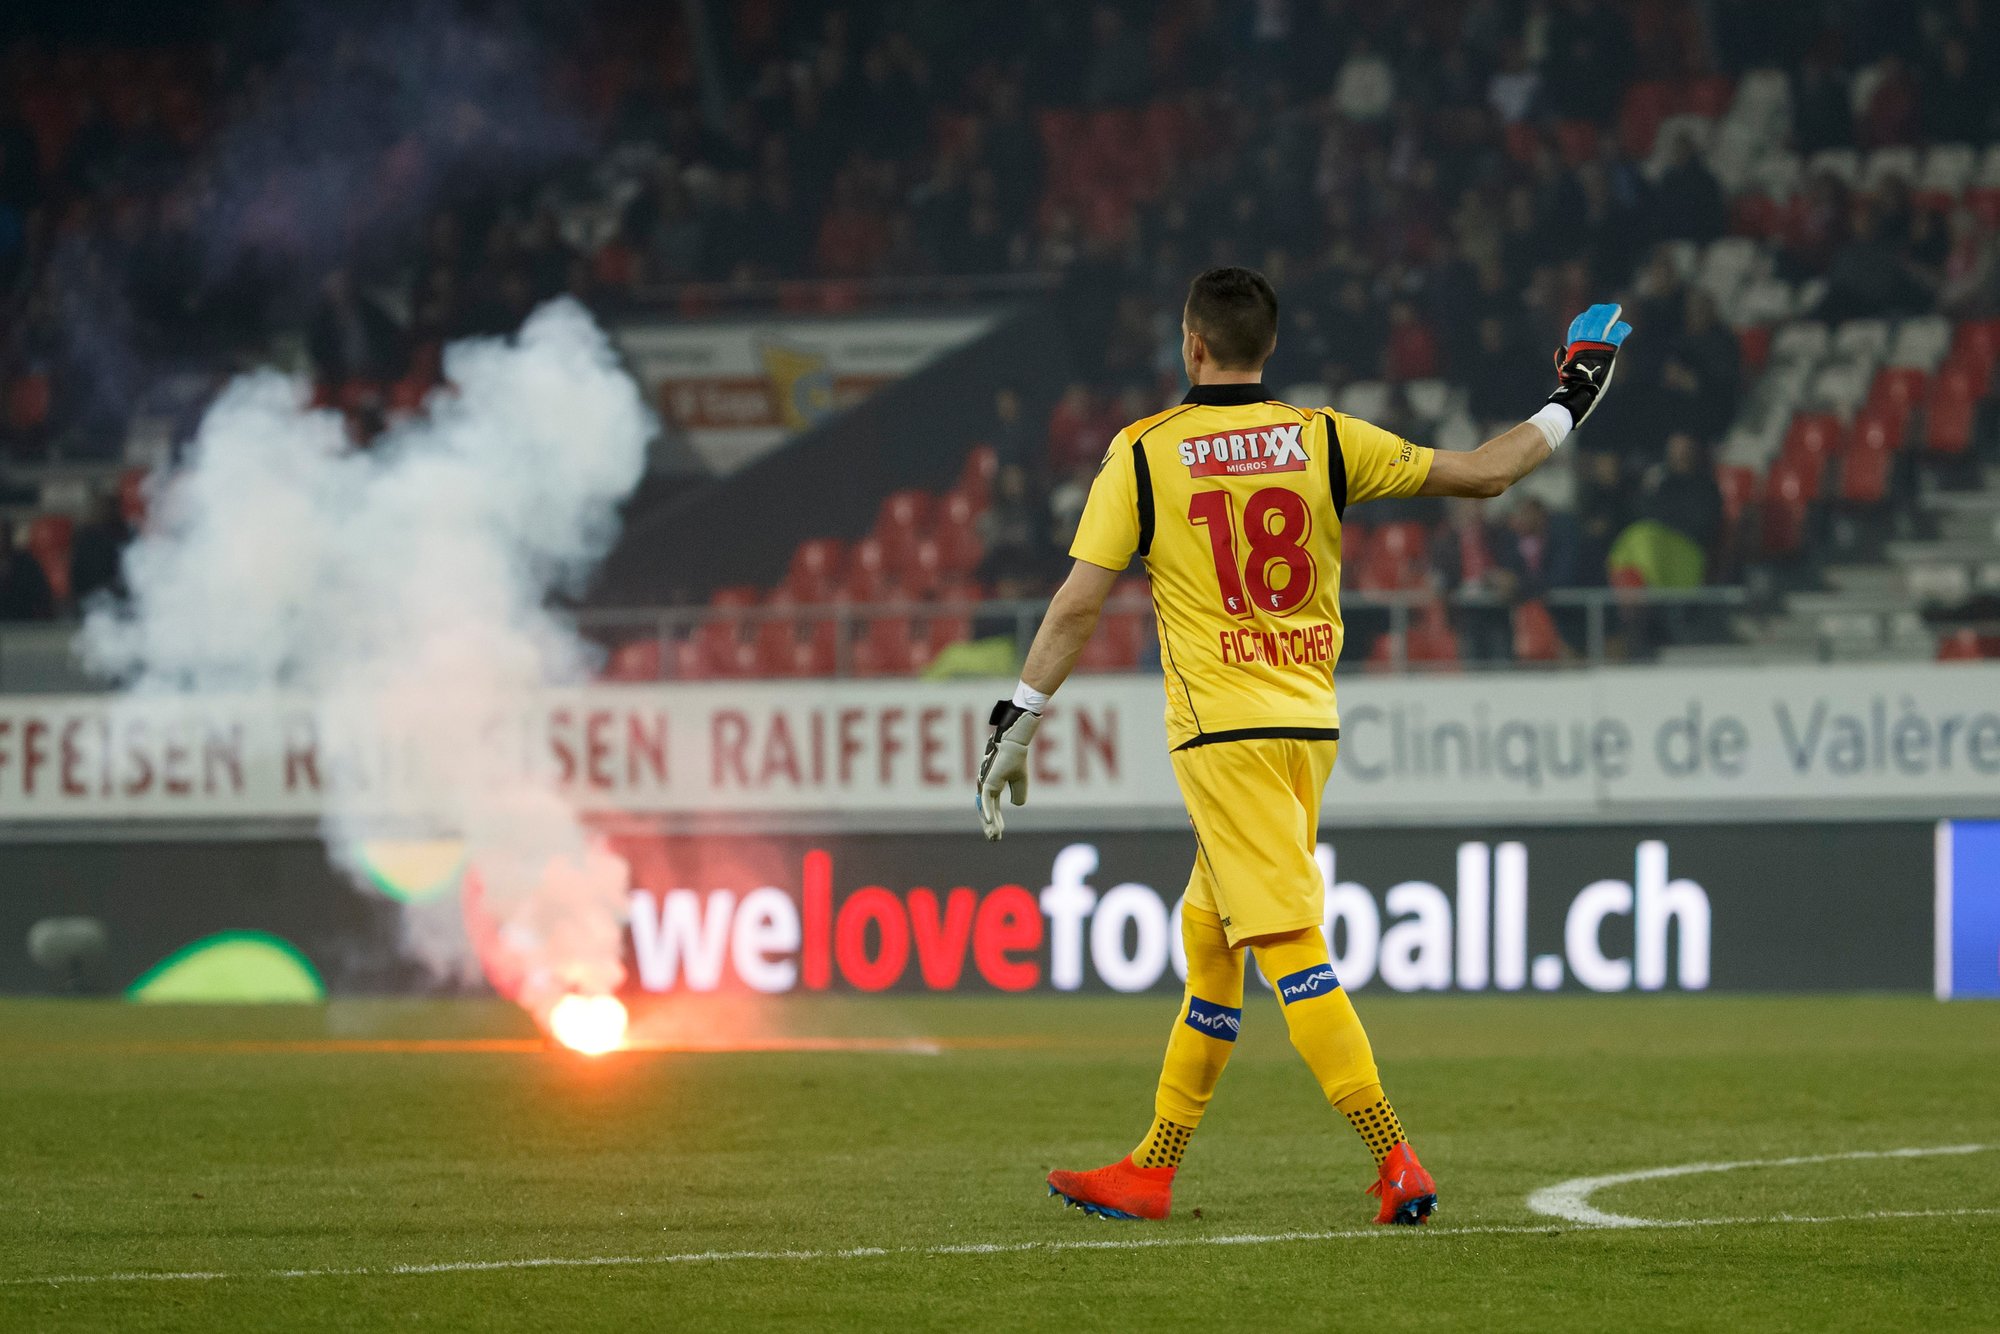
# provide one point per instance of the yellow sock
(1203, 1035)
(1322, 1022)
(1369, 1112)
(1164, 1144)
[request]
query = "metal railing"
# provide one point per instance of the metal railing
(40, 658)
(1601, 612)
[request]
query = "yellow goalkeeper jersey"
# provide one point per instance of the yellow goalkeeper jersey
(1234, 502)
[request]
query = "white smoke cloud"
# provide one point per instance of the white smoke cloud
(403, 589)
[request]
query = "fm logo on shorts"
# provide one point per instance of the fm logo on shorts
(1261, 449)
(1307, 983)
(1217, 1021)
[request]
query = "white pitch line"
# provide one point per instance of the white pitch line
(1570, 1200)
(970, 1248)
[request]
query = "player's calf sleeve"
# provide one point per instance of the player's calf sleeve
(1322, 1022)
(1203, 1035)
(1369, 1112)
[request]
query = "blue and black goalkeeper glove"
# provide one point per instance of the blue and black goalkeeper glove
(1584, 364)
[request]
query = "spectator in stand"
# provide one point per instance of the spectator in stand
(1689, 204)
(1971, 277)
(1494, 377)
(1015, 527)
(1822, 108)
(1075, 431)
(1957, 99)
(1412, 353)
(1466, 567)
(1118, 60)
(1588, 56)
(98, 555)
(1871, 276)
(25, 594)
(1538, 549)
(351, 337)
(1603, 510)
(1008, 435)
(1890, 116)
(1679, 521)
(1699, 383)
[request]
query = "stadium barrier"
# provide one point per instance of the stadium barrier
(1588, 909)
(1916, 741)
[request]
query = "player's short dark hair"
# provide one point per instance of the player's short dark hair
(1236, 313)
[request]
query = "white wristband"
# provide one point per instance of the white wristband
(1554, 422)
(1029, 698)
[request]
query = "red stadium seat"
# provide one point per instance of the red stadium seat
(1975, 345)
(1396, 558)
(924, 571)
(1814, 438)
(1739, 491)
(639, 660)
(735, 597)
(50, 540)
(887, 647)
(1966, 644)
(1430, 642)
(1866, 467)
(1755, 344)
(1535, 635)
(1882, 423)
(1787, 499)
(1949, 412)
(959, 546)
(870, 576)
(815, 569)
(975, 479)
(1115, 646)
(1576, 141)
(1898, 389)
(1646, 104)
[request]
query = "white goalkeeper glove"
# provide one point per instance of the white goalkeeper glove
(1005, 764)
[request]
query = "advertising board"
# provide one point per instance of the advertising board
(1610, 909)
(1912, 741)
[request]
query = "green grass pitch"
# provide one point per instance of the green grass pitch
(231, 1146)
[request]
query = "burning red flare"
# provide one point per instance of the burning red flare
(592, 1025)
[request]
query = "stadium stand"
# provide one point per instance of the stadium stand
(1799, 210)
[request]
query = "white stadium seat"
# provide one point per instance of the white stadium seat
(1310, 394)
(1366, 399)
(1802, 340)
(1430, 400)
(1840, 386)
(1989, 168)
(1947, 169)
(1779, 174)
(1886, 163)
(1858, 339)
(1844, 164)
(1766, 301)
(1921, 342)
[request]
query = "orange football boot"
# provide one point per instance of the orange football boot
(1122, 1190)
(1407, 1192)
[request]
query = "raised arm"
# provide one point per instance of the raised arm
(1584, 366)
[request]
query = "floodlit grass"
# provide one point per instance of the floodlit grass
(248, 1142)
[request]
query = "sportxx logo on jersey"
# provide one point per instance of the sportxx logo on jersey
(1251, 453)
(1307, 983)
(1218, 1021)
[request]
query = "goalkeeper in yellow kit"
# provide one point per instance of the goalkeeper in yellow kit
(1234, 502)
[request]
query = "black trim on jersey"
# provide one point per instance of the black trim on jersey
(1336, 467)
(1263, 734)
(1142, 474)
(1142, 477)
(1227, 395)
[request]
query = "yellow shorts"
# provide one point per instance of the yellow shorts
(1255, 809)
